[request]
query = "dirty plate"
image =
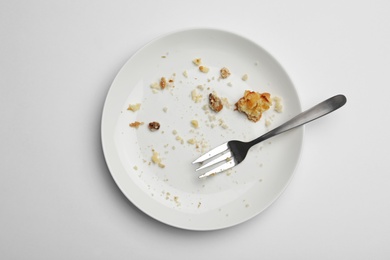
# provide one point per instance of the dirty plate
(168, 188)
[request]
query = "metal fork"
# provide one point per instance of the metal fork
(234, 152)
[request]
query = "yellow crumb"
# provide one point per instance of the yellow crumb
(134, 107)
(197, 61)
(195, 123)
(203, 69)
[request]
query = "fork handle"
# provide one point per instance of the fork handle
(307, 116)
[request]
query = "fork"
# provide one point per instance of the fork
(234, 152)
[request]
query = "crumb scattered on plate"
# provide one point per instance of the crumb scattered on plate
(215, 102)
(191, 141)
(245, 77)
(163, 82)
(154, 126)
(204, 69)
(156, 159)
(134, 107)
(253, 104)
(155, 87)
(197, 61)
(136, 124)
(224, 72)
(196, 97)
(278, 104)
(195, 123)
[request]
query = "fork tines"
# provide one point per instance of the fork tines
(207, 160)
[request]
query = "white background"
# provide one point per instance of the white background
(57, 197)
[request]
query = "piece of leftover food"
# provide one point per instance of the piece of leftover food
(155, 86)
(224, 72)
(163, 82)
(215, 102)
(191, 141)
(156, 159)
(134, 107)
(196, 97)
(204, 69)
(154, 126)
(278, 104)
(197, 61)
(195, 123)
(254, 104)
(136, 124)
(245, 77)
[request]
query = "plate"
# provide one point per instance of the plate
(168, 188)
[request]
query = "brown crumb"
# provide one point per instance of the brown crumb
(154, 126)
(224, 73)
(215, 102)
(136, 124)
(163, 82)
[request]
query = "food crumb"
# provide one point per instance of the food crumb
(197, 61)
(245, 77)
(155, 87)
(215, 102)
(156, 159)
(180, 139)
(278, 104)
(154, 126)
(253, 104)
(165, 109)
(204, 69)
(135, 167)
(134, 107)
(163, 82)
(176, 200)
(223, 124)
(200, 87)
(195, 96)
(185, 74)
(224, 72)
(136, 124)
(268, 122)
(191, 141)
(195, 123)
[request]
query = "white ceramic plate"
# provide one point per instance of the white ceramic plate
(174, 195)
